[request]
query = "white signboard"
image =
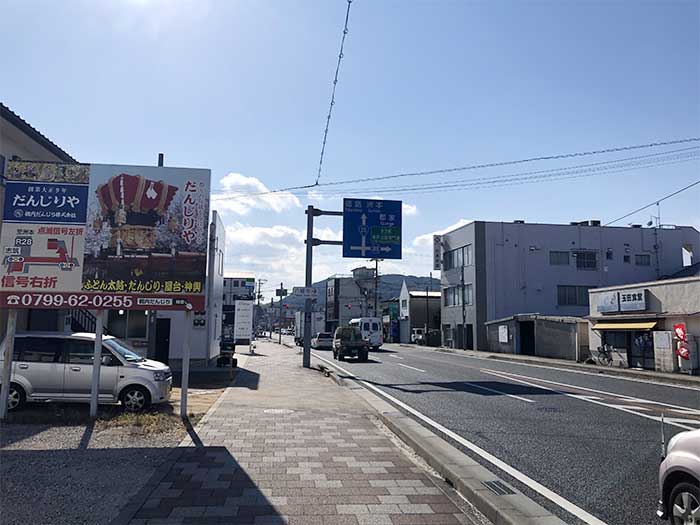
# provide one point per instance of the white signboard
(437, 252)
(308, 292)
(503, 333)
(608, 302)
(243, 321)
(633, 300)
(662, 340)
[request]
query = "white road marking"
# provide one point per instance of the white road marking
(582, 372)
(588, 399)
(395, 356)
(604, 392)
(511, 471)
(411, 367)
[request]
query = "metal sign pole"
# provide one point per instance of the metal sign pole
(96, 363)
(306, 359)
(8, 347)
(184, 383)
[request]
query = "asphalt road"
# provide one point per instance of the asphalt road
(594, 440)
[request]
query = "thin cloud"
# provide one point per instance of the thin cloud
(241, 196)
(427, 238)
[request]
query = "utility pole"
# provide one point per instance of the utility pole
(270, 316)
(281, 288)
(427, 312)
(376, 288)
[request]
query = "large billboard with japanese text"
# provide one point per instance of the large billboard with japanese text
(97, 236)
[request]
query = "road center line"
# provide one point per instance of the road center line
(505, 467)
(396, 357)
(500, 392)
(411, 367)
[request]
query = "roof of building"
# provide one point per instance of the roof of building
(33, 133)
(572, 224)
(533, 316)
(689, 271)
(660, 282)
(419, 293)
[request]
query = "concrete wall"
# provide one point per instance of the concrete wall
(555, 338)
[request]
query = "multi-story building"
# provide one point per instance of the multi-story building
(419, 313)
(493, 270)
(350, 296)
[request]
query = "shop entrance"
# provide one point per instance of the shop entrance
(527, 337)
(637, 346)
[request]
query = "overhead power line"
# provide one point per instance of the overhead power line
(335, 84)
(654, 203)
(227, 195)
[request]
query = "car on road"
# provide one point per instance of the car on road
(50, 366)
(371, 329)
(322, 341)
(348, 342)
(679, 480)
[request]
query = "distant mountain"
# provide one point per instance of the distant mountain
(389, 286)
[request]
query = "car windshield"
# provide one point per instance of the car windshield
(324, 335)
(121, 348)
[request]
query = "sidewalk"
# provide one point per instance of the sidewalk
(649, 375)
(287, 445)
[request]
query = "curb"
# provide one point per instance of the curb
(458, 469)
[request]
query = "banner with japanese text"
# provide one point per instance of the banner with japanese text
(104, 236)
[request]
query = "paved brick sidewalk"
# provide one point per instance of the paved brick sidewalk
(286, 445)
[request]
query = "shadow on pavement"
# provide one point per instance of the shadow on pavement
(483, 388)
(186, 485)
(246, 379)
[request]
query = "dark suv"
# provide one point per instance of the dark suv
(348, 342)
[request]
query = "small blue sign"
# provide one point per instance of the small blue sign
(371, 229)
(45, 202)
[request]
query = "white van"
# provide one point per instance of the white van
(371, 328)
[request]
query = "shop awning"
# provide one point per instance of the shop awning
(643, 325)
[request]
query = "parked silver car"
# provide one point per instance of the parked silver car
(49, 366)
(679, 480)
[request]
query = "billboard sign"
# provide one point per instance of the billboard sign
(371, 229)
(633, 300)
(94, 236)
(307, 292)
(608, 302)
(243, 321)
(437, 252)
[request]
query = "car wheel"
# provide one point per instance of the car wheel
(135, 398)
(16, 397)
(364, 356)
(685, 504)
(341, 357)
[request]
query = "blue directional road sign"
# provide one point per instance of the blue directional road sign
(371, 229)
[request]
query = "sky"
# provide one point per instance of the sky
(243, 88)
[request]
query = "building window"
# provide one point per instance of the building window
(609, 254)
(454, 295)
(572, 295)
(129, 324)
(559, 258)
(586, 260)
(468, 255)
(626, 258)
(404, 303)
(463, 256)
(642, 260)
(468, 294)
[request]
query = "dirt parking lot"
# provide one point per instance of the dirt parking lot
(57, 466)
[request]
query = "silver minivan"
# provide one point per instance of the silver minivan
(49, 366)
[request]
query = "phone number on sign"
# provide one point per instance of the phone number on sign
(75, 300)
